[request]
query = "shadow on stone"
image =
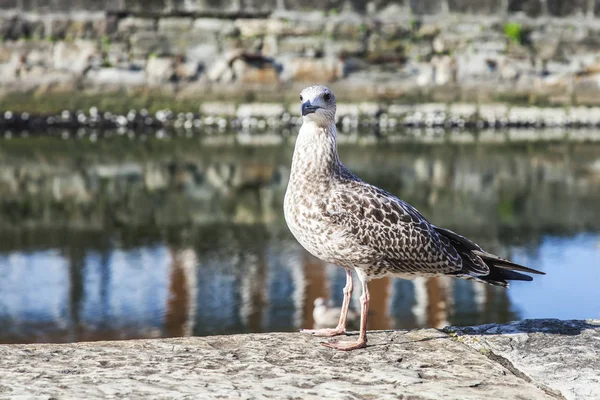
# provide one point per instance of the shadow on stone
(550, 326)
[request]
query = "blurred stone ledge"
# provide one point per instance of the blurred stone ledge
(220, 117)
(532, 359)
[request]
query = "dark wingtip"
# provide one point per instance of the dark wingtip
(502, 263)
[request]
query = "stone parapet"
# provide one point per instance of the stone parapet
(533, 359)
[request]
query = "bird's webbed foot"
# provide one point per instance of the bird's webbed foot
(345, 345)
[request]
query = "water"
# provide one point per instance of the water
(145, 238)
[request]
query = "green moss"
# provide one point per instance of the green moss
(506, 210)
(514, 31)
(115, 102)
(105, 42)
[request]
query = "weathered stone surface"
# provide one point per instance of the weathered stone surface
(562, 357)
(528, 360)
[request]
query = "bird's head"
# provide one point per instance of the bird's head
(318, 105)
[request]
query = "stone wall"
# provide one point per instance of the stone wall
(539, 51)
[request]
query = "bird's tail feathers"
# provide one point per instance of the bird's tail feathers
(485, 267)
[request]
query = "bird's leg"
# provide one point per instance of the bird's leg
(362, 337)
(341, 326)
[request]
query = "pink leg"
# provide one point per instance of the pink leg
(341, 326)
(362, 337)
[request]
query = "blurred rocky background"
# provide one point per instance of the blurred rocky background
(521, 51)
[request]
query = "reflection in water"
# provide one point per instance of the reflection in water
(157, 248)
(167, 290)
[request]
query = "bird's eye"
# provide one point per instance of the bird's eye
(327, 96)
(300, 97)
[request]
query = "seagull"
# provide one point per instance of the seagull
(345, 221)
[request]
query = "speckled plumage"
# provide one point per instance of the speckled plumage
(343, 220)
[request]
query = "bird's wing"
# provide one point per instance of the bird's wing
(395, 232)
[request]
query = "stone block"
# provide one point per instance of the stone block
(227, 7)
(532, 8)
(8, 72)
(567, 8)
(382, 49)
(309, 46)
(218, 69)
(278, 27)
(6, 54)
(258, 27)
(445, 69)
(261, 110)
(179, 42)
(86, 29)
(427, 7)
(188, 70)
(145, 43)
(270, 47)
(34, 52)
(160, 70)
(347, 25)
(9, 4)
(475, 6)
(116, 76)
(464, 110)
(116, 54)
(130, 25)
(328, 69)
(217, 26)
(397, 12)
(218, 109)
(202, 53)
(425, 74)
(341, 47)
(15, 27)
(58, 27)
(493, 112)
(394, 29)
(148, 6)
(174, 24)
(250, 73)
(74, 56)
(474, 66)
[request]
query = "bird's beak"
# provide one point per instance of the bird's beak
(308, 108)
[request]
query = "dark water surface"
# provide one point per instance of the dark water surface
(121, 238)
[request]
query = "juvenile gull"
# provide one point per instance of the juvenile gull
(344, 221)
